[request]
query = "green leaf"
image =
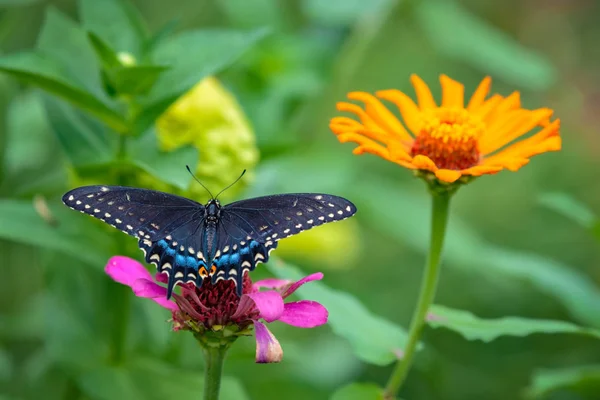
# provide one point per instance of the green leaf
(117, 22)
(83, 140)
(9, 3)
(359, 391)
(108, 57)
(472, 327)
(576, 211)
(136, 79)
(65, 42)
(192, 56)
(39, 70)
(546, 381)
(461, 35)
(168, 166)
(467, 250)
(373, 339)
(148, 379)
(19, 222)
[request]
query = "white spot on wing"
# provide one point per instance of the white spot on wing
(71, 198)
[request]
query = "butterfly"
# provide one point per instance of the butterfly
(190, 241)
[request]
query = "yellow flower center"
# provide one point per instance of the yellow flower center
(449, 138)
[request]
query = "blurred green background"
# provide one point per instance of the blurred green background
(520, 244)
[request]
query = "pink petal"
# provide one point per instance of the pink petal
(126, 270)
(148, 289)
(270, 304)
(268, 349)
(304, 314)
(161, 277)
(317, 276)
(272, 283)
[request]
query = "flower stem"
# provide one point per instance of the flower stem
(439, 219)
(214, 357)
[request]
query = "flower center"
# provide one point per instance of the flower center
(215, 305)
(449, 138)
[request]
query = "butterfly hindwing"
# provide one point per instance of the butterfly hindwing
(238, 252)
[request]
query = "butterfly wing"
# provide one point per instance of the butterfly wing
(169, 228)
(250, 229)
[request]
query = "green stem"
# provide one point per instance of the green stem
(439, 218)
(214, 357)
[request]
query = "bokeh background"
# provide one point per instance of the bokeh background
(519, 244)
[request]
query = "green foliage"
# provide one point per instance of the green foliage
(584, 380)
(20, 222)
(572, 209)
(46, 73)
(373, 339)
(359, 391)
(117, 22)
(475, 328)
(147, 379)
(466, 250)
(459, 34)
(166, 166)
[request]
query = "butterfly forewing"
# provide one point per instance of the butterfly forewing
(279, 216)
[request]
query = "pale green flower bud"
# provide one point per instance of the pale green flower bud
(209, 118)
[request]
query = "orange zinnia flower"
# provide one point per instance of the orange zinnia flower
(450, 140)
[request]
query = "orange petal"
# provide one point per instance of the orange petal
(512, 164)
(520, 124)
(488, 106)
(351, 123)
(547, 139)
(480, 93)
(479, 170)
(409, 110)
(399, 151)
(453, 92)
(405, 164)
(512, 102)
(447, 175)
(380, 114)
(423, 162)
(364, 118)
(424, 95)
(376, 150)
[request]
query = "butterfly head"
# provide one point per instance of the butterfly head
(212, 212)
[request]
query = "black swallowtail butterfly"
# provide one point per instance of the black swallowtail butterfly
(190, 241)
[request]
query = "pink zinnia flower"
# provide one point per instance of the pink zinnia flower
(217, 308)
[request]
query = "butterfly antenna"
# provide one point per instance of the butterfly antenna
(194, 176)
(234, 182)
